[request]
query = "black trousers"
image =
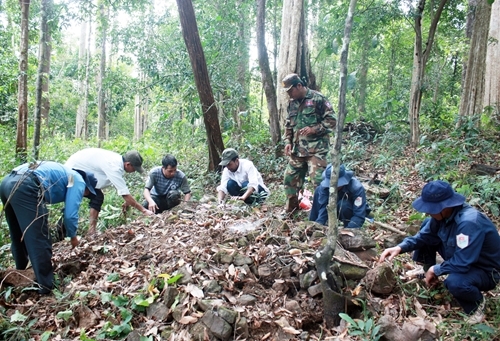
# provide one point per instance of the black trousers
(165, 202)
(27, 217)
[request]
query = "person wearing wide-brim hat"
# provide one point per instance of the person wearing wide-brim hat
(465, 238)
(352, 208)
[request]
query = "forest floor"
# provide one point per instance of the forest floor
(122, 283)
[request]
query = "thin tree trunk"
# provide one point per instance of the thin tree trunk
(80, 112)
(333, 301)
(267, 77)
(22, 99)
(492, 84)
(42, 81)
(202, 80)
(101, 106)
(243, 63)
(363, 74)
(471, 102)
(420, 58)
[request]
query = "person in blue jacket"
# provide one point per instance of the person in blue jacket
(466, 239)
(352, 207)
(25, 193)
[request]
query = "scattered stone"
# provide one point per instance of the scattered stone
(245, 300)
(186, 275)
(239, 260)
(307, 279)
(227, 314)
(134, 335)
(157, 311)
(380, 280)
(212, 287)
(241, 327)
(217, 325)
(353, 239)
(293, 306)
(315, 290)
(86, 317)
(198, 266)
(170, 295)
(209, 304)
(264, 271)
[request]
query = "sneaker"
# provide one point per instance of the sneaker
(478, 315)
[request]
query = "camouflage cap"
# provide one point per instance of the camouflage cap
(290, 80)
(135, 160)
(227, 155)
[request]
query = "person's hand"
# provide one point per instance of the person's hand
(74, 241)
(152, 206)
(124, 207)
(307, 131)
(221, 204)
(389, 253)
(430, 277)
(288, 149)
(239, 198)
(148, 212)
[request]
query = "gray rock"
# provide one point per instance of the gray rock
(239, 260)
(223, 257)
(246, 300)
(197, 331)
(186, 276)
(242, 327)
(217, 325)
(198, 266)
(293, 306)
(264, 271)
(157, 311)
(355, 239)
(134, 335)
(170, 295)
(212, 287)
(381, 279)
(227, 314)
(209, 304)
(307, 279)
(242, 242)
(315, 290)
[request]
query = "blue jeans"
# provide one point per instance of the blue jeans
(236, 190)
(27, 217)
(320, 201)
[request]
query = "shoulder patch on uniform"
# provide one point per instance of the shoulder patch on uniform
(309, 103)
(462, 240)
(328, 105)
(358, 201)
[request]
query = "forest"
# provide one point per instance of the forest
(416, 93)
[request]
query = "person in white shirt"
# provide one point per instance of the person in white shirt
(108, 168)
(240, 179)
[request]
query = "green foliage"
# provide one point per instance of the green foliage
(366, 330)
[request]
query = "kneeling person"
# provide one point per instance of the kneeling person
(165, 185)
(352, 207)
(240, 179)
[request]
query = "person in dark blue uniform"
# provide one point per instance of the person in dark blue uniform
(352, 208)
(465, 238)
(25, 193)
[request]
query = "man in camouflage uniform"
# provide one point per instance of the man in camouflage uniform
(310, 121)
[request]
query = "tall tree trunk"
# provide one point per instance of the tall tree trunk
(81, 111)
(333, 301)
(492, 83)
(469, 23)
(420, 58)
(200, 72)
(292, 26)
(471, 102)
(363, 74)
(22, 93)
(244, 57)
(267, 77)
(101, 105)
(42, 82)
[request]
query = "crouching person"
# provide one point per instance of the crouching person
(165, 186)
(465, 238)
(25, 192)
(352, 208)
(240, 179)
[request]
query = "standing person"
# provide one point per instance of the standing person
(307, 136)
(25, 193)
(465, 238)
(108, 168)
(352, 208)
(240, 179)
(164, 186)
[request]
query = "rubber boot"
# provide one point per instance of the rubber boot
(292, 204)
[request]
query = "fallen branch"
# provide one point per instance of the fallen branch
(389, 227)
